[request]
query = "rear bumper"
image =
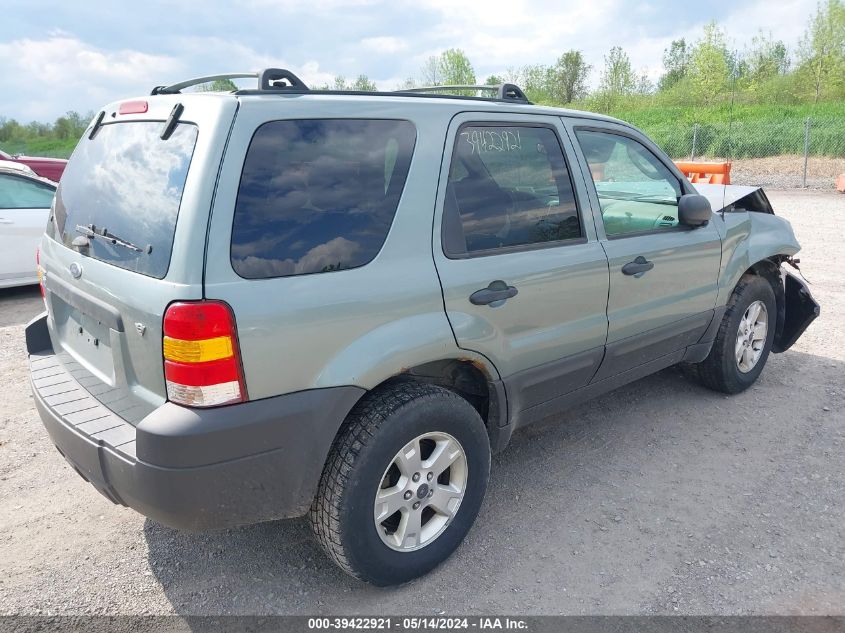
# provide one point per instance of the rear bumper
(192, 469)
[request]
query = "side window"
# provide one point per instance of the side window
(508, 186)
(318, 195)
(20, 193)
(636, 191)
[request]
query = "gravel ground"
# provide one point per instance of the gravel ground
(787, 171)
(662, 497)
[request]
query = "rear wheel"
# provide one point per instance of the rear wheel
(403, 483)
(744, 339)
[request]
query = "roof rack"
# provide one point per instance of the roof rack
(269, 80)
(282, 80)
(504, 92)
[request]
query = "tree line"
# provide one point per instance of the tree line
(706, 72)
(698, 73)
(703, 72)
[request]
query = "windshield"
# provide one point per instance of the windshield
(126, 183)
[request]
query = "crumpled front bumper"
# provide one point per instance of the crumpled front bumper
(800, 311)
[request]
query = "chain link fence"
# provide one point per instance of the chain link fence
(789, 153)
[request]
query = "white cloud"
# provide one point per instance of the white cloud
(45, 70)
(336, 252)
(502, 34)
(384, 44)
(44, 78)
(297, 6)
(785, 20)
(218, 54)
(514, 32)
(256, 267)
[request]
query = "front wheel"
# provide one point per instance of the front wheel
(403, 483)
(744, 339)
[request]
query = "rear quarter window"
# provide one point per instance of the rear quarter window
(318, 195)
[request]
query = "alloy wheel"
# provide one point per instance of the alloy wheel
(751, 336)
(420, 492)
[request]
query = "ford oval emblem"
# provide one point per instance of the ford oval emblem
(75, 270)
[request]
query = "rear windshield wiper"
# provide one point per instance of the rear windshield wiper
(89, 231)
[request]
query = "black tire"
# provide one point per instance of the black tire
(719, 371)
(375, 431)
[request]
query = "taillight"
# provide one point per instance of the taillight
(40, 272)
(202, 364)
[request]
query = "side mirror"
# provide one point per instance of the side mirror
(694, 210)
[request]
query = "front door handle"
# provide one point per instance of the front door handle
(637, 267)
(5, 221)
(497, 291)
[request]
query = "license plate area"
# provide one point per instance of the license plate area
(86, 339)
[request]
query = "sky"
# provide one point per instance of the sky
(57, 56)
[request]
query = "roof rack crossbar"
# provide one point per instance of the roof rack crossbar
(283, 80)
(269, 79)
(505, 92)
(178, 87)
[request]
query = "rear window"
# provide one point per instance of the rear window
(318, 195)
(126, 183)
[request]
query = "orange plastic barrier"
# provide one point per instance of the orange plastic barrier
(707, 173)
(840, 183)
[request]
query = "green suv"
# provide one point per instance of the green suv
(277, 302)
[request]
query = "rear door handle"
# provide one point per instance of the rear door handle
(497, 291)
(637, 267)
(5, 221)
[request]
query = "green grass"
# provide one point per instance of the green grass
(744, 131)
(42, 146)
(642, 115)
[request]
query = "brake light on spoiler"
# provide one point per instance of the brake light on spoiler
(132, 107)
(202, 363)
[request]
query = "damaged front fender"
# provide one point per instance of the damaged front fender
(749, 238)
(755, 239)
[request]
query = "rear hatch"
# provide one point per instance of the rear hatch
(126, 237)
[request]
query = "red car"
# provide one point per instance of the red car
(50, 168)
